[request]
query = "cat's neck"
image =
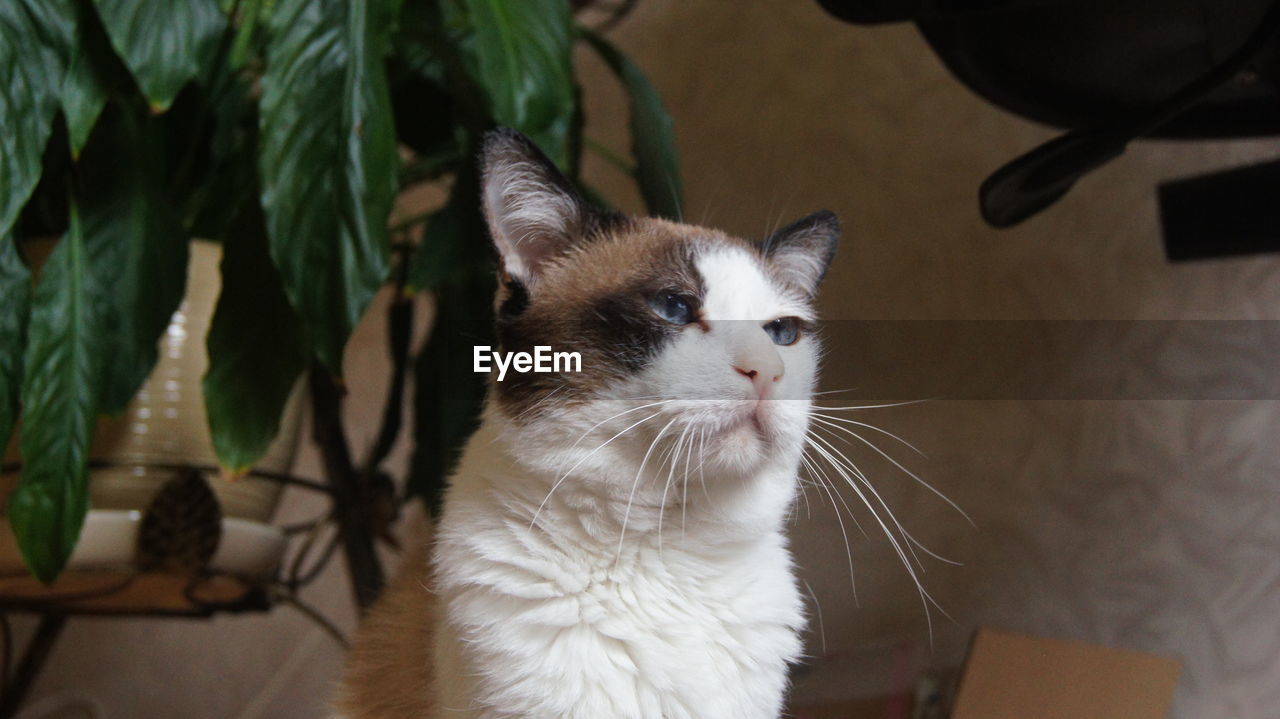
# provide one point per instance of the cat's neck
(610, 505)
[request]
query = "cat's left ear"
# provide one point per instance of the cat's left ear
(533, 212)
(801, 252)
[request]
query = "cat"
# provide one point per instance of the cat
(612, 542)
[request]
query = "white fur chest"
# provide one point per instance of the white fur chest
(541, 622)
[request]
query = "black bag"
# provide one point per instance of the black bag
(1111, 71)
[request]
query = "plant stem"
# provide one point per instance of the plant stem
(609, 156)
(399, 332)
(352, 498)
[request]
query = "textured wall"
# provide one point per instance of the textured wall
(1147, 523)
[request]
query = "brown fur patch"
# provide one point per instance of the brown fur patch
(389, 672)
(594, 301)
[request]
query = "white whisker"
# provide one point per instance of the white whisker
(565, 476)
(626, 514)
(887, 433)
(848, 551)
(675, 458)
(911, 474)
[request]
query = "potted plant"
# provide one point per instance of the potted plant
(283, 130)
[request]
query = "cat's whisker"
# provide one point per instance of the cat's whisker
(817, 608)
(593, 427)
(826, 478)
(881, 405)
(684, 500)
(540, 402)
(563, 477)
(845, 420)
(834, 391)
(702, 479)
(675, 458)
(802, 483)
(685, 479)
(635, 484)
(911, 538)
(843, 468)
(893, 541)
(848, 551)
(909, 473)
(847, 464)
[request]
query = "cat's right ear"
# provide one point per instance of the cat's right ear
(533, 212)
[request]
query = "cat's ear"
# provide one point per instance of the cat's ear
(533, 212)
(801, 252)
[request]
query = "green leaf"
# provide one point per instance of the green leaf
(34, 36)
(653, 142)
(448, 395)
(87, 80)
(126, 213)
(256, 349)
(250, 14)
(328, 161)
(523, 52)
(59, 398)
(15, 298)
(165, 43)
(454, 261)
(454, 247)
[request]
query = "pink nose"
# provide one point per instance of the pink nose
(762, 382)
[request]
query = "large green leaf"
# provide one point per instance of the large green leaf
(125, 212)
(256, 349)
(59, 399)
(328, 161)
(653, 142)
(448, 394)
(453, 261)
(34, 38)
(523, 52)
(15, 298)
(88, 77)
(454, 247)
(165, 43)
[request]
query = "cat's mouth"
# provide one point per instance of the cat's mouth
(750, 416)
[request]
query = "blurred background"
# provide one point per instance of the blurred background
(1149, 524)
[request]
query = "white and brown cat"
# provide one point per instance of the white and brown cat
(612, 544)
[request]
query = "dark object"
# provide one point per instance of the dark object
(1109, 71)
(1226, 213)
(15, 688)
(182, 526)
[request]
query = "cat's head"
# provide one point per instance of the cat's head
(684, 333)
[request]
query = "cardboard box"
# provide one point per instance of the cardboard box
(1014, 676)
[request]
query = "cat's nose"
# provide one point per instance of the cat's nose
(763, 370)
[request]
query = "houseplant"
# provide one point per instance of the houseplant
(282, 129)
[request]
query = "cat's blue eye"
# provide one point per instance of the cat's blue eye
(784, 330)
(673, 307)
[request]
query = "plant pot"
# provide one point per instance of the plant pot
(161, 431)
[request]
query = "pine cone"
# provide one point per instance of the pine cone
(182, 526)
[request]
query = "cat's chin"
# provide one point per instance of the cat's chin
(741, 444)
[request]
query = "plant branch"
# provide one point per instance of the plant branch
(399, 331)
(351, 491)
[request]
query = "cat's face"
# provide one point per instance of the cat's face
(687, 336)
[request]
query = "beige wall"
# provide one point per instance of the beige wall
(1146, 524)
